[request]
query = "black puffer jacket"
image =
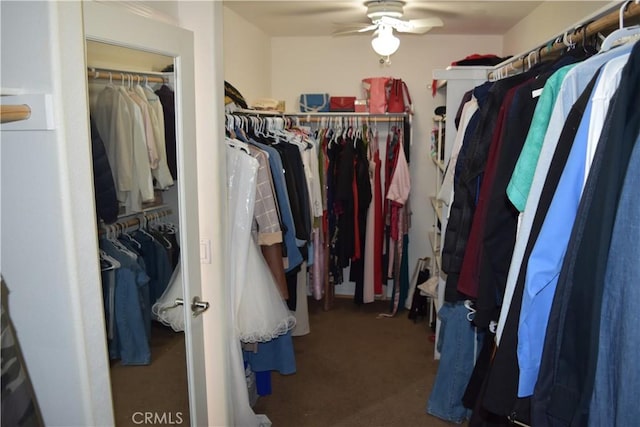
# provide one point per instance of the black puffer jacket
(467, 188)
(104, 188)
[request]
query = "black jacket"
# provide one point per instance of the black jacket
(104, 188)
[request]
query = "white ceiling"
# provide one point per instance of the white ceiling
(319, 17)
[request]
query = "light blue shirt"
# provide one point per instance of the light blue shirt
(294, 257)
(546, 259)
(548, 252)
(574, 83)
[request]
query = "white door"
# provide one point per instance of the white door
(117, 26)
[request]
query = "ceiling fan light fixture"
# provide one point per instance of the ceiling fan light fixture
(385, 43)
(376, 9)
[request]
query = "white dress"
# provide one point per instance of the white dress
(260, 312)
(249, 318)
(165, 309)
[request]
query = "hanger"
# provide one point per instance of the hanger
(169, 227)
(142, 225)
(154, 218)
(468, 304)
(118, 245)
(237, 144)
(622, 32)
(111, 262)
(568, 41)
(588, 49)
(529, 60)
(131, 239)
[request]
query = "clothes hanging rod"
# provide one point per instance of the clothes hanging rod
(118, 75)
(578, 35)
(372, 118)
(321, 114)
(14, 113)
(347, 114)
(134, 219)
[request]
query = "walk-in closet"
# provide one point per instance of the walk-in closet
(308, 213)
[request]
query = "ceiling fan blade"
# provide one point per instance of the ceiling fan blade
(419, 26)
(427, 22)
(353, 29)
(416, 30)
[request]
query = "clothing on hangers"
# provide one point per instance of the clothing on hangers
(564, 124)
(130, 121)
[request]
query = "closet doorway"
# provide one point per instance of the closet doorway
(119, 40)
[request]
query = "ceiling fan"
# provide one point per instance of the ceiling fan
(387, 14)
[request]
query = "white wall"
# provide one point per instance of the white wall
(337, 65)
(247, 57)
(47, 208)
(546, 22)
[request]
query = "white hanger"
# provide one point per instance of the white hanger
(570, 44)
(166, 243)
(113, 263)
(131, 239)
(142, 225)
(119, 244)
(237, 144)
(622, 32)
(468, 304)
(529, 60)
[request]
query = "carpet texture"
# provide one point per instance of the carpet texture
(353, 369)
(158, 391)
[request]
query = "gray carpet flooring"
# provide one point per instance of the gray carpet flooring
(353, 369)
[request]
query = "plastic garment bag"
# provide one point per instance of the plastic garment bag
(255, 313)
(260, 313)
(165, 309)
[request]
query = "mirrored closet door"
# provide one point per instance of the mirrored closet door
(141, 99)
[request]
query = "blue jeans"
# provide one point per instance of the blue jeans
(131, 312)
(458, 345)
(158, 265)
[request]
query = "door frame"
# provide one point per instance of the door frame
(115, 25)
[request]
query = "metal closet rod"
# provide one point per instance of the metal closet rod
(317, 116)
(582, 32)
(376, 118)
(118, 75)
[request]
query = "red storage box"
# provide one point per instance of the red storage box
(362, 106)
(342, 103)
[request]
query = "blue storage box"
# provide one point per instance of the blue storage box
(314, 102)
